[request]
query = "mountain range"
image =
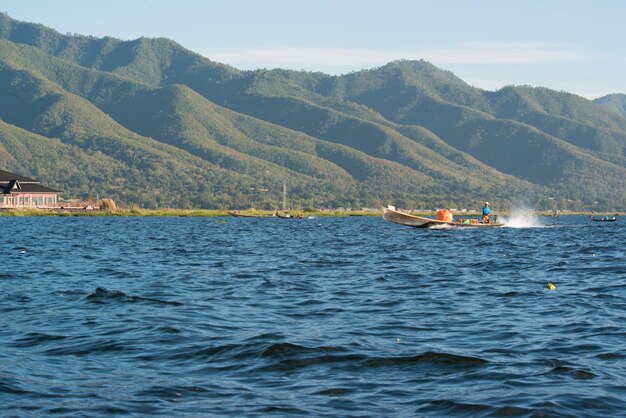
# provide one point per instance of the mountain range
(149, 122)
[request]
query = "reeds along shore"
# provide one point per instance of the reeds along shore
(174, 212)
(112, 212)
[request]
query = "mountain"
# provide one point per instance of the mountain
(614, 102)
(177, 129)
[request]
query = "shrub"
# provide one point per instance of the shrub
(107, 204)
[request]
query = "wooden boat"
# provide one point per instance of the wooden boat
(391, 214)
(249, 215)
(605, 219)
(289, 216)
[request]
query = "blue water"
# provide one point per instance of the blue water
(315, 317)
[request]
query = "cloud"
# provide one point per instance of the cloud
(338, 58)
(500, 53)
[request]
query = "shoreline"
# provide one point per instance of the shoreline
(214, 213)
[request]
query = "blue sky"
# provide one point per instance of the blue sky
(576, 46)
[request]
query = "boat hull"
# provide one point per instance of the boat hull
(393, 215)
(247, 215)
(283, 216)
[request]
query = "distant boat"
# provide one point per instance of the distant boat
(289, 216)
(604, 219)
(249, 215)
(281, 215)
(391, 214)
(285, 214)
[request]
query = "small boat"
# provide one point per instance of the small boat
(249, 215)
(391, 214)
(289, 216)
(605, 219)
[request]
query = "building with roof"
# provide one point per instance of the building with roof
(22, 192)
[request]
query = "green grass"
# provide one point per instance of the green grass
(169, 212)
(119, 212)
(139, 212)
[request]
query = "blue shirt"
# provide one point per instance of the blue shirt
(486, 210)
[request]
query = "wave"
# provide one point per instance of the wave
(172, 392)
(577, 374)
(431, 358)
(36, 338)
(13, 389)
(6, 275)
(103, 295)
(89, 347)
(449, 406)
(335, 392)
(264, 356)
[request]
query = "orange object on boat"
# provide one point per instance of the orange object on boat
(444, 215)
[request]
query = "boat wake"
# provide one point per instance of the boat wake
(523, 218)
(442, 226)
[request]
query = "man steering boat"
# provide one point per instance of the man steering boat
(486, 212)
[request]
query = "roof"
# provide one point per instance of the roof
(29, 188)
(8, 176)
(10, 182)
(13, 184)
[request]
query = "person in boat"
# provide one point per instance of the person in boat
(486, 212)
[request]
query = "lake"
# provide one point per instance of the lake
(315, 317)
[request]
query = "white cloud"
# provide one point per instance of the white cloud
(325, 59)
(500, 53)
(588, 91)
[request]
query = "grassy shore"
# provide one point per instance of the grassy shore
(223, 212)
(173, 212)
(116, 212)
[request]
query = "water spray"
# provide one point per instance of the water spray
(522, 217)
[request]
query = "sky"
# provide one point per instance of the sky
(575, 46)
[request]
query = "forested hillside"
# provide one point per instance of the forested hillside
(150, 122)
(614, 102)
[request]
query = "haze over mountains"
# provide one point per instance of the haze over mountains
(150, 122)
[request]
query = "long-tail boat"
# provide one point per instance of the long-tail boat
(249, 215)
(391, 214)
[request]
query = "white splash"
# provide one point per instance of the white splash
(441, 226)
(522, 217)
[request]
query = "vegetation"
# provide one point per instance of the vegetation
(614, 102)
(150, 125)
(135, 211)
(107, 204)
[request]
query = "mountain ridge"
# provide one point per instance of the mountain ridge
(407, 133)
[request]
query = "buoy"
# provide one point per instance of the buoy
(398, 340)
(551, 286)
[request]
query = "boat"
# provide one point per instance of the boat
(249, 215)
(604, 219)
(287, 215)
(391, 214)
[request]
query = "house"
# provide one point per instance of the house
(18, 191)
